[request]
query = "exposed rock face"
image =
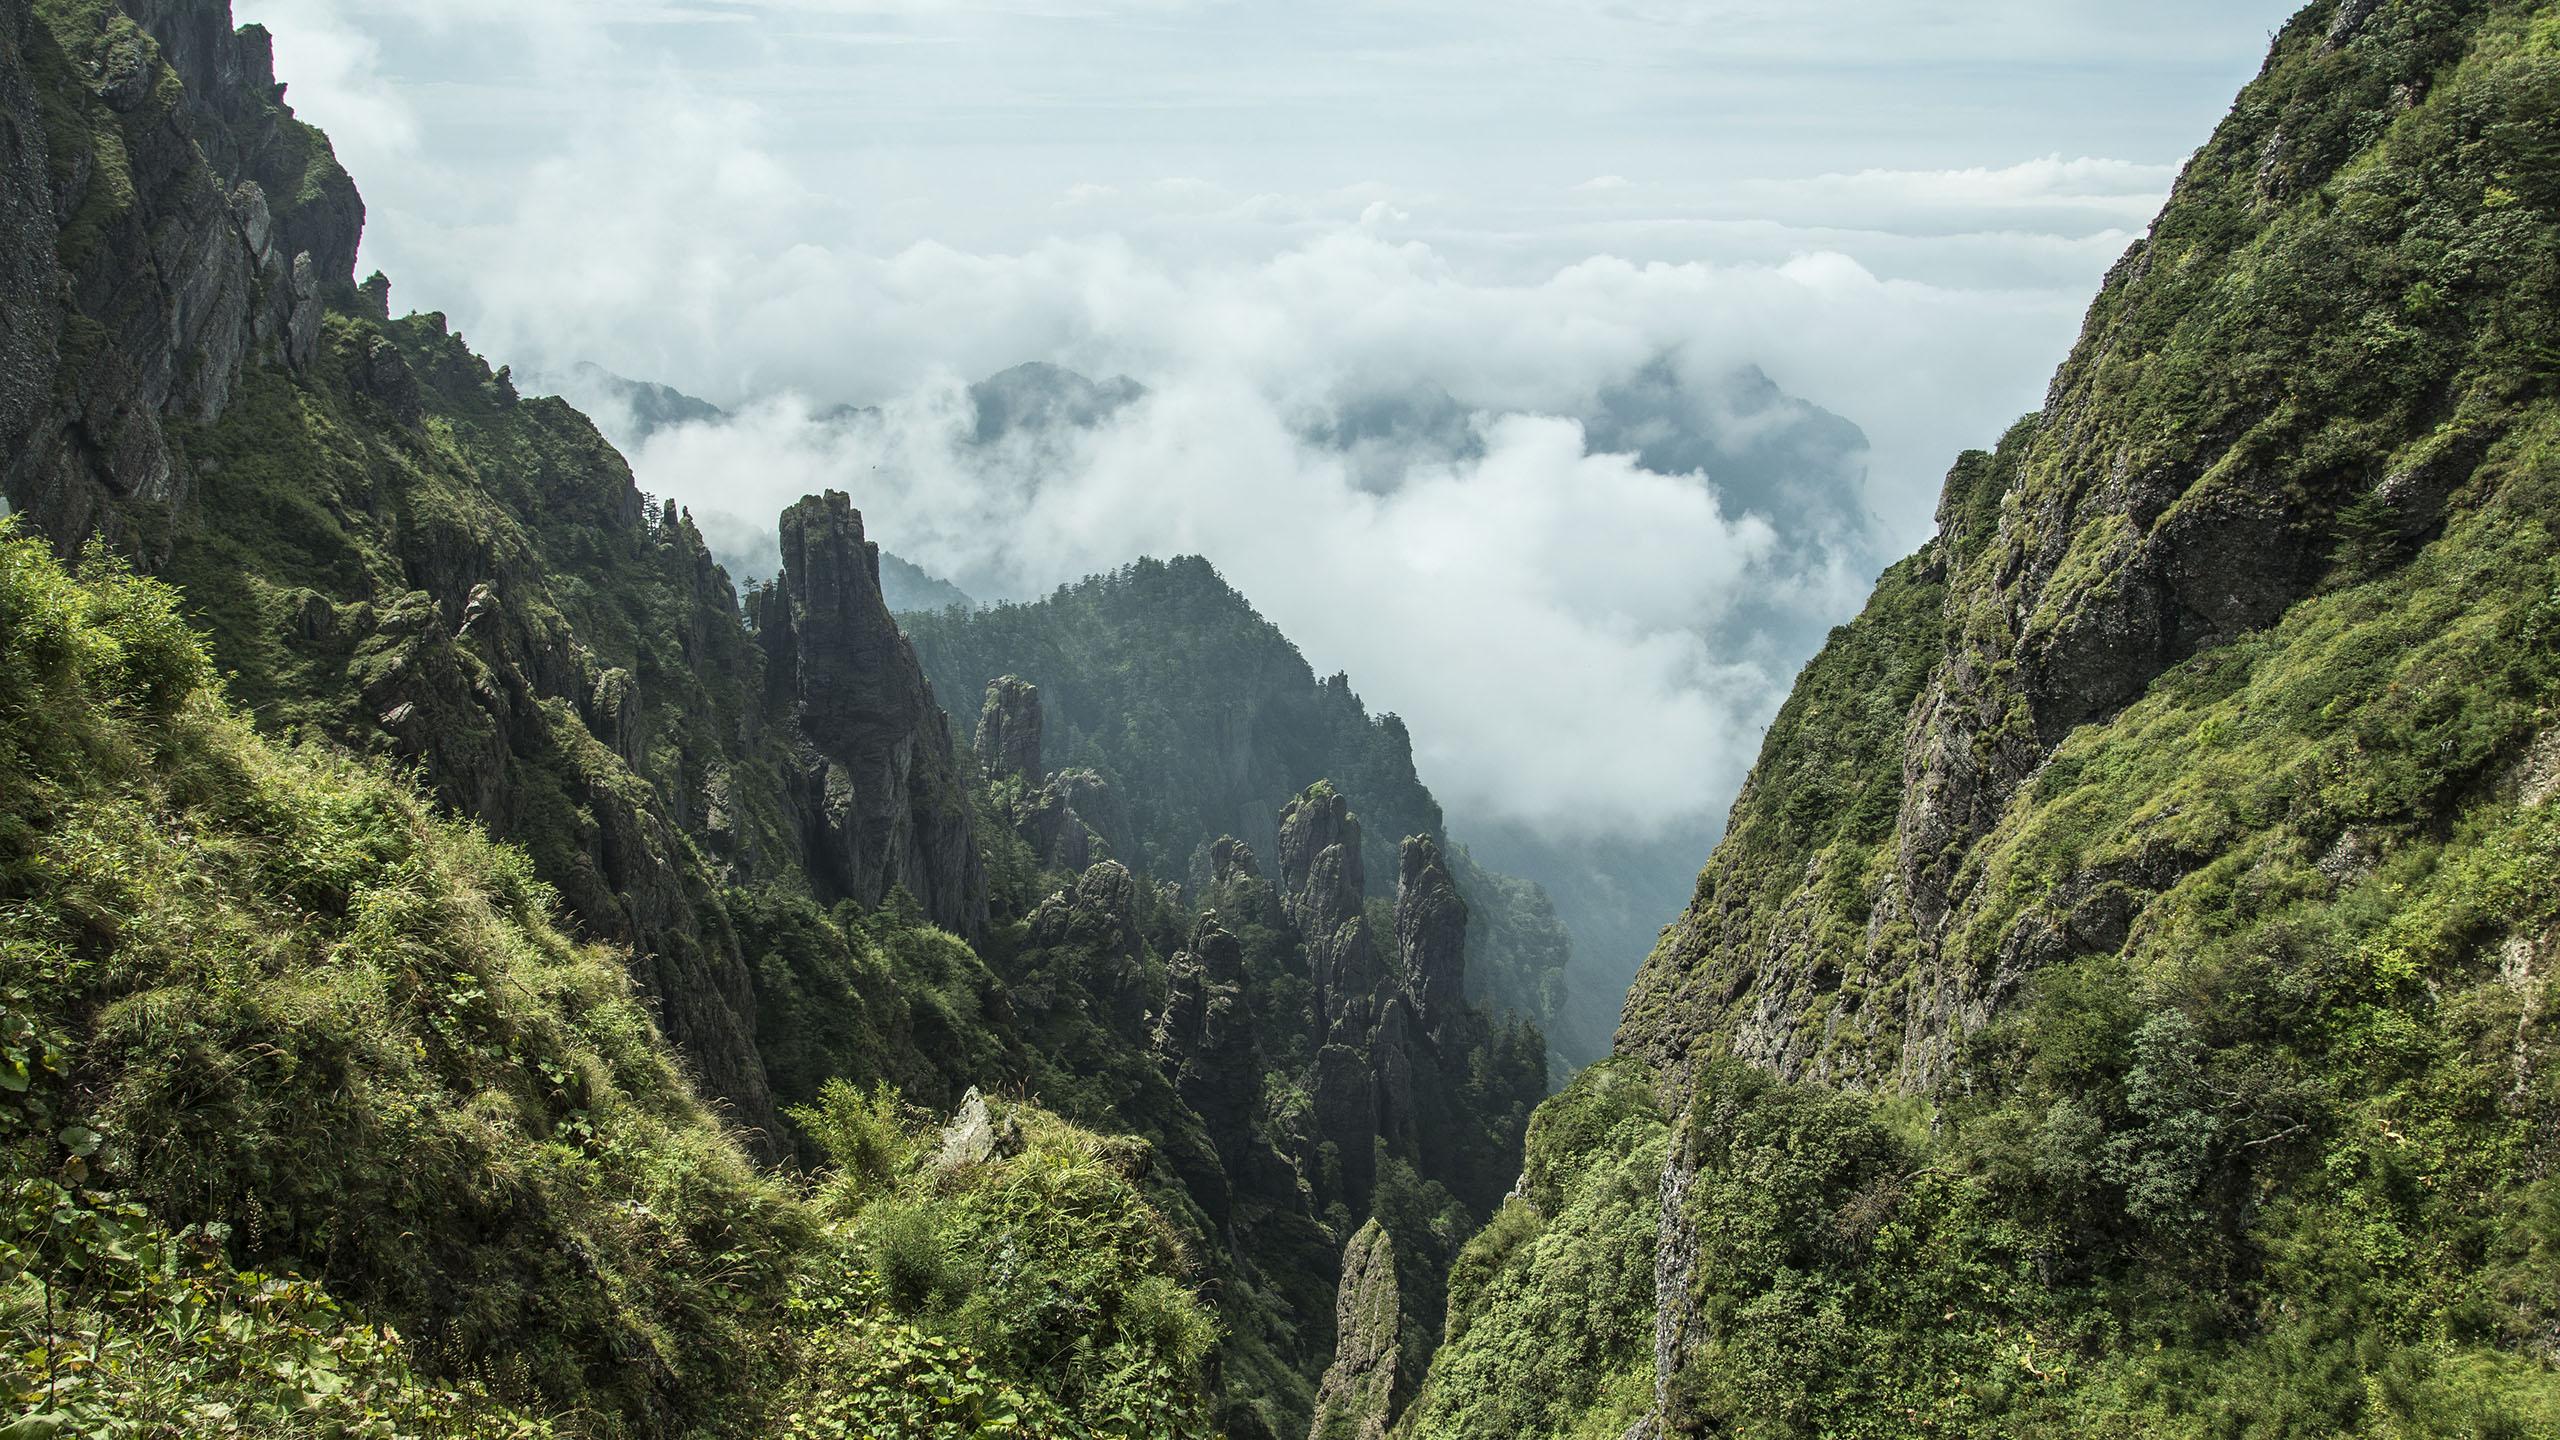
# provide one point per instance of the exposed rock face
(1393, 1039)
(885, 784)
(1357, 1397)
(1238, 892)
(1323, 888)
(238, 115)
(1431, 934)
(1205, 1039)
(159, 248)
(465, 703)
(1009, 730)
(30, 311)
(1099, 918)
(1232, 861)
(1068, 821)
(377, 371)
(2116, 534)
(975, 1136)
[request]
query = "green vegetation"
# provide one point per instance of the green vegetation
(2245, 1123)
(1045, 1261)
(2216, 1101)
(286, 1062)
(1206, 720)
(1550, 1307)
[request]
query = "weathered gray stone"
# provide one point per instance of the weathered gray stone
(883, 780)
(1431, 934)
(976, 1136)
(1356, 1399)
(1323, 890)
(177, 275)
(1009, 730)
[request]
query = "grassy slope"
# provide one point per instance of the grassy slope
(265, 1016)
(2281, 1164)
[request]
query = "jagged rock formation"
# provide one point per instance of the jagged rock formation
(883, 779)
(757, 807)
(1098, 920)
(169, 227)
(1009, 730)
(1431, 934)
(1324, 889)
(30, 312)
(1386, 1036)
(1070, 819)
(1356, 1400)
(189, 369)
(1205, 1038)
(975, 1136)
(1254, 727)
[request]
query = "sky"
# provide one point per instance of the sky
(1279, 216)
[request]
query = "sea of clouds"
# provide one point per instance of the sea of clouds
(1382, 406)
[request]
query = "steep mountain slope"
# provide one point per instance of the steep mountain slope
(2120, 1004)
(749, 808)
(1203, 720)
(275, 1042)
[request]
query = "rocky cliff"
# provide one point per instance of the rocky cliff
(2129, 955)
(171, 223)
(191, 372)
(882, 783)
(1009, 730)
(2161, 506)
(749, 808)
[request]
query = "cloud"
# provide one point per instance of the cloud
(1426, 373)
(335, 69)
(1584, 645)
(1549, 620)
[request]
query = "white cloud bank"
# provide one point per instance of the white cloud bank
(1582, 644)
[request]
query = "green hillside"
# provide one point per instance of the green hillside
(2120, 1005)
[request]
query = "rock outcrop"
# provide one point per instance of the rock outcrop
(976, 1135)
(30, 307)
(1205, 1039)
(167, 243)
(1098, 920)
(1392, 1040)
(1431, 934)
(1067, 822)
(1356, 1400)
(1009, 730)
(1324, 890)
(881, 779)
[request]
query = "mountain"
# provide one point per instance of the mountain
(474, 968)
(2120, 1002)
(1039, 398)
(911, 589)
(628, 411)
(1203, 720)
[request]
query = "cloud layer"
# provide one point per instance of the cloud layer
(1438, 308)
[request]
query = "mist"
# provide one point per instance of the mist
(1566, 414)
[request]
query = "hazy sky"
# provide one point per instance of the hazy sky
(1269, 212)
